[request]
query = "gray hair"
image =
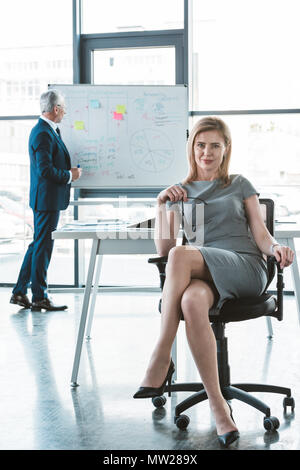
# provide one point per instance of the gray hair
(49, 99)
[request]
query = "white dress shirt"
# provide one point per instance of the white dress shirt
(54, 127)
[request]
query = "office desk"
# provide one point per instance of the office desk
(123, 240)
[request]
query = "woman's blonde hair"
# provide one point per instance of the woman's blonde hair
(210, 123)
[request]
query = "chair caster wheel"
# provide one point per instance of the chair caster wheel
(271, 423)
(289, 401)
(158, 402)
(182, 421)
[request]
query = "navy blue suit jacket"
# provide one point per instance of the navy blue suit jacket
(49, 165)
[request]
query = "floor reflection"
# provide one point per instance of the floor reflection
(39, 409)
(52, 421)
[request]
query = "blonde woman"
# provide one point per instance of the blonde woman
(228, 263)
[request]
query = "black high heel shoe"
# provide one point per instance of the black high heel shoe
(229, 437)
(150, 392)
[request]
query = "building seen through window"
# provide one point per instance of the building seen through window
(30, 58)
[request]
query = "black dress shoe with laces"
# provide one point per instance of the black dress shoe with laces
(20, 299)
(46, 304)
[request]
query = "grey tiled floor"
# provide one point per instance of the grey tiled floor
(39, 409)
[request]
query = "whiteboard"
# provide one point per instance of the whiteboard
(126, 136)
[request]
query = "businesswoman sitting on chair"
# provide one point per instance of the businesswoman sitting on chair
(200, 276)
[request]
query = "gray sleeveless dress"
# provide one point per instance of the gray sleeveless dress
(215, 222)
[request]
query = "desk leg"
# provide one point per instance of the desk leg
(85, 305)
(270, 327)
(295, 275)
(294, 270)
(94, 297)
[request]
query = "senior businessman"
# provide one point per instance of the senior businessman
(50, 181)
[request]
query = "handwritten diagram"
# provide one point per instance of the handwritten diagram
(151, 150)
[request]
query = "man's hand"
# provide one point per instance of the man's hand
(76, 173)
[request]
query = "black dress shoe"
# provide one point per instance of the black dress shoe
(150, 392)
(46, 304)
(20, 299)
(229, 437)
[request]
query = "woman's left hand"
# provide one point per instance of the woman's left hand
(284, 255)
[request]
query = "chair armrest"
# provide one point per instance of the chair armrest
(279, 288)
(158, 259)
(160, 262)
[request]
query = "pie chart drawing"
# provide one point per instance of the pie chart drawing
(151, 150)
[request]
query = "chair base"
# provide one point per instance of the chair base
(238, 391)
(235, 391)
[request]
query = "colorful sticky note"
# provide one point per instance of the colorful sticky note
(79, 125)
(95, 104)
(118, 116)
(121, 108)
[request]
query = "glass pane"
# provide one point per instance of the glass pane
(135, 66)
(125, 270)
(131, 15)
(244, 54)
(122, 270)
(35, 50)
(16, 227)
(266, 150)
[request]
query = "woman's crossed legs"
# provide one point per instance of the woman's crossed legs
(189, 290)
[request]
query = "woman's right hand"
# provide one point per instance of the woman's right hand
(172, 193)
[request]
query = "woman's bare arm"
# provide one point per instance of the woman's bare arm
(166, 229)
(167, 223)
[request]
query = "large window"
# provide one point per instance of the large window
(120, 270)
(242, 65)
(135, 66)
(35, 50)
(244, 68)
(245, 54)
(131, 15)
(16, 228)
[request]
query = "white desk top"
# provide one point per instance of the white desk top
(94, 231)
(287, 230)
(119, 232)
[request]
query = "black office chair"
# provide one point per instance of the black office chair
(235, 310)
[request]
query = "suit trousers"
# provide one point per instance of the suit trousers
(37, 258)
